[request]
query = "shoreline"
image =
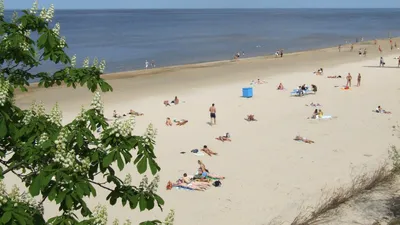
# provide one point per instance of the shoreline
(210, 64)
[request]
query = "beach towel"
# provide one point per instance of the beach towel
(183, 188)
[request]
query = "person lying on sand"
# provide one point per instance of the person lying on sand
(305, 140)
(315, 115)
(180, 183)
(168, 122)
(116, 115)
(206, 176)
(280, 87)
(250, 118)
(224, 138)
(166, 103)
(134, 113)
(206, 150)
(190, 181)
(181, 122)
(260, 81)
(334, 76)
(314, 105)
(380, 110)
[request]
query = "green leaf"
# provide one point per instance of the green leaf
(142, 202)
(108, 159)
(79, 139)
(34, 189)
(19, 218)
(68, 201)
(6, 217)
(150, 203)
(159, 200)
(120, 162)
(142, 165)
(3, 127)
(153, 167)
(92, 190)
(60, 197)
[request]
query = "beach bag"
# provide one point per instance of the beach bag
(195, 151)
(217, 183)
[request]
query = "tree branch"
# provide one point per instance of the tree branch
(100, 185)
(11, 168)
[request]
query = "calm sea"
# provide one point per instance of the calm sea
(127, 38)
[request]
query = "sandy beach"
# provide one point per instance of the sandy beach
(268, 174)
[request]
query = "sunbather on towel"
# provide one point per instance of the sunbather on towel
(305, 140)
(314, 105)
(134, 113)
(380, 110)
(224, 138)
(201, 184)
(334, 76)
(206, 150)
(181, 183)
(166, 103)
(181, 122)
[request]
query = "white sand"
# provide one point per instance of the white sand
(268, 173)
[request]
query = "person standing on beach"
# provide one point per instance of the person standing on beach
(340, 47)
(349, 77)
(146, 64)
(351, 47)
(213, 115)
(153, 64)
(359, 80)
(281, 52)
(398, 64)
(380, 49)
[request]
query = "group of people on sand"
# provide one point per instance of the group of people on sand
(380, 110)
(131, 112)
(349, 78)
(175, 101)
(201, 181)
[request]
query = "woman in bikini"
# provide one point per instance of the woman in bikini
(134, 113)
(305, 140)
(182, 122)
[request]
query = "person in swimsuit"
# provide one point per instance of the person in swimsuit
(206, 150)
(182, 122)
(349, 77)
(305, 140)
(176, 100)
(168, 122)
(213, 115)
(359, 80)
(280, 87)
(134, 113)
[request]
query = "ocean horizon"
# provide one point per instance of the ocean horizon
(126, 38)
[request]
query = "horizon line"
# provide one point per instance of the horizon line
(207, 8)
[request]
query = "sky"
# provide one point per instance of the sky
(186, 4)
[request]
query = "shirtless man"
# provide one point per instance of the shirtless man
(213, 112)
(349, 77)
(359, 80)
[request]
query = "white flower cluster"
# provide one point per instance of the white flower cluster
(24, 46)
(4, 87)
(128, 222)
(14, 17)
(95, 62)
(115, 222)
(169, 220)
(56, 115)
(43, 138)
(128, 180)
(62, 43)
(97, 104)
(34, 8)
(35, 110)
(73, 61)
(63, 156)
(17, 197)
(86, 62)
(150, 134)
(47, 14)
(100, 215)
(82, 116)
(56, 29)
(123, 128)
(102, 66)
(152, 187)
